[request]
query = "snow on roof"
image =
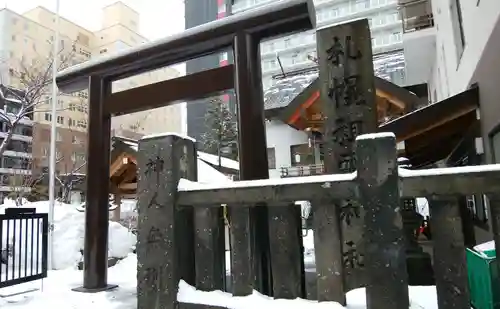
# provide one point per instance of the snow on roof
(132, 145)
(203, 159)
(158, 135)
(208, 174)
(214, 160)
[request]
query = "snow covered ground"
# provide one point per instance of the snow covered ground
(69, 233)
(55, 291)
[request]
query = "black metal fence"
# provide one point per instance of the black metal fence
(181, 229)
(23, 246)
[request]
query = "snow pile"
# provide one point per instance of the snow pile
(69, 234)
(57, 293)
(421, 297)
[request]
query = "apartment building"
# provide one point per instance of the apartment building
(27, 45)
(294, 52)
(15, 164)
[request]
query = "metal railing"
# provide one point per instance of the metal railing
(23, 246)
(181, 235)
(299, 171)
(416, 15)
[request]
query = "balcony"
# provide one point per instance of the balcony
(416, 15)
(299, 171)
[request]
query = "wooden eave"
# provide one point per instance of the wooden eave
(123, 167)
(304, 111)
(433, 132)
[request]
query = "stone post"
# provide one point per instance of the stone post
(385, 258)
(165, 248)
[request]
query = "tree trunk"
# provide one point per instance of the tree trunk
(6, 141)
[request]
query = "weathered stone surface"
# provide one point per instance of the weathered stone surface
(385, 257)
(348, 98)
(165, 248)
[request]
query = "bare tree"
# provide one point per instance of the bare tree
(20, 185)
(68, 180)
(32, 80)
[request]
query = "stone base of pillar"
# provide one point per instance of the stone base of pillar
(86, 290)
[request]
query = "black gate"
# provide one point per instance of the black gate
(23, 246)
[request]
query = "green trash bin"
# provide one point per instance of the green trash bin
(484, 281)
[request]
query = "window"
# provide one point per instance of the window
(104, 50)
(288, 42)
(76, 140)
(458, 28)
(271, 158)
(478, 205)
(334, 12)
(80, 157)
(301, 155)
(295, 58)
(71, 122)
(396, 37)
(59, 137)
(361, 5)
(48, 117)
(60, 119)
(45, 152)
(82, 124)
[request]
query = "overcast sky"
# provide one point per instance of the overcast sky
(158, 18)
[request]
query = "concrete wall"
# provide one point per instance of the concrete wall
(479, 21)
(419, 50)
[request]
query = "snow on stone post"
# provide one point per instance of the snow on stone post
(165, 248)
(385, 259)
(348, 101)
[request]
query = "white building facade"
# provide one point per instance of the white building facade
(463, 48)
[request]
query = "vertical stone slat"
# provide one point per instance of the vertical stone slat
(385, 258)
(209, 248)
(450, 267)
(242, 273)
(287, 251)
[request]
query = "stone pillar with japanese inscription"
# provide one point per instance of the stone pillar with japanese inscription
(165, 247)
(349, 108)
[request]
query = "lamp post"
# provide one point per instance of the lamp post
(53, 134)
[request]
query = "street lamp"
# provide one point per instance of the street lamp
(53, 133)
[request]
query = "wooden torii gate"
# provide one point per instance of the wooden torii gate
(242, 33)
